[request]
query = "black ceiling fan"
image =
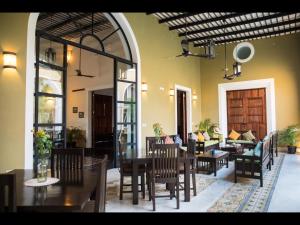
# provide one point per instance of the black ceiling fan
(78, 71)
(209, 47)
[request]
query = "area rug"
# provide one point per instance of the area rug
(247, 195)
(113, 187)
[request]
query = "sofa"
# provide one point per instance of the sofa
(245, 143)
(204, 146)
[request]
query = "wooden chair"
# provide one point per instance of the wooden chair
(150, 141)
(126, 170)
(165, 169)
(67, 162)
(98, 205)
(9, 181)
(252, 163)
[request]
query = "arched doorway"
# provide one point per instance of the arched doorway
(30, 71)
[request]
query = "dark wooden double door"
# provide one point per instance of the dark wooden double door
(246, 110)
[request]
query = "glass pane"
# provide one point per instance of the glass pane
(126, 72)
(126, 113)
(56, 133)
(51, 52)
(50, 81)
(128, 150)
(127, 133)
(126, 92)
(50, 110)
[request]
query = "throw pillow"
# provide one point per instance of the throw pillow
(194, 137)
(178, 140)
(234, 135)
(169, 140)
(206, 136)
(248, 136)
(200, 137)
(257, 149)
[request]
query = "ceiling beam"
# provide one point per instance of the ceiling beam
(71, 19)
(102, 22)
(45, 15)
(234, 24)
(288, 22)
(180, 16)
(205, 21)
(266, 34)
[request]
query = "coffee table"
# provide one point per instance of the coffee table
(232, 149)
(214, 158)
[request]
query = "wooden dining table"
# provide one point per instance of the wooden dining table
(58, 197)
(138, 160)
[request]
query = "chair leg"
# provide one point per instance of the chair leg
(143, 185)
(177, 193)
(153, 194)
(261, 178)
(150, 190)
(270, 165)
(121, 187)
(194, 182)
(235, 176)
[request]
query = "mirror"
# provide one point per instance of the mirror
(243, 52)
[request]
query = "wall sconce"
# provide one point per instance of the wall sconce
(9, 60)
(144, 87)
(172, 92)
(195, 97)
(69, 55)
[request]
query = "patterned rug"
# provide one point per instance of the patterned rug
(113, 187)
(247, 195)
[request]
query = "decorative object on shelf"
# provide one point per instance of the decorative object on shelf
(144, 87)
(75, 109)
(172, 92)
(81, 114)
(9, 60)
(43, 146)
(288, 137)
(75, 137)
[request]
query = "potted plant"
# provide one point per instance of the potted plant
(158, 131)
(74, 136)
(43, 146)
(208, 126)
(288, 137)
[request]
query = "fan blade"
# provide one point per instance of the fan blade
(83, 75)
(81, 89)
(179, 55)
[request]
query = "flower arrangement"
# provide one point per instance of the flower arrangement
(43, 144)
(158, 131)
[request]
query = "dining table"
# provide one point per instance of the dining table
(143, 159)
(63, 196)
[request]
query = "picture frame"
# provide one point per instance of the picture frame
(75, 109)
(81, 114)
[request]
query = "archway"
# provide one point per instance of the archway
(30, 71)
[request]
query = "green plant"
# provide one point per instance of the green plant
(74, 135)
(208, 126)
(157, 130)
(288, 136)
(43, 144)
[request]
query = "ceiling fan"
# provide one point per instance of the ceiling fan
(209, 47)
(78, 71)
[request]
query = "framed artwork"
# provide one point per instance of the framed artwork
(81, 114)
(75, 109)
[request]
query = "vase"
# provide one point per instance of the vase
(42, 170)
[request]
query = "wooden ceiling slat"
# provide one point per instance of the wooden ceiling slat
(180, 16)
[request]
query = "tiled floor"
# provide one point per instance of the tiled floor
(286, 195)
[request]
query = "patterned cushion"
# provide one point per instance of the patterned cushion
(234, 135)
(200, 137)
(169, 140)
(257, 149)
(206, 136)
(178, 140)
(248, 136)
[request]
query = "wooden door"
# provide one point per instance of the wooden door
(102, 129)
(246, 110)
(181, 116)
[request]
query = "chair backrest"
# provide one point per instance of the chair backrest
(67, 158)
(150, 141)
(266, 148)
(191, 146)
(274, 139)
(165, 161)
(101, 185)
(8, 192)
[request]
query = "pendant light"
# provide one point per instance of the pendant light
(50, 53)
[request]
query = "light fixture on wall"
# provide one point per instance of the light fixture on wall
(171, 92)
(9, 60)
(195, 97)
(50, 53)
(144, 87)
(69, 55)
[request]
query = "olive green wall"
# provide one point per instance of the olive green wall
(160, 68)
(277, 58)
(12, 91)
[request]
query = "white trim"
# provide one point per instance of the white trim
(242, 85)
(188, 106)
(30, 71)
